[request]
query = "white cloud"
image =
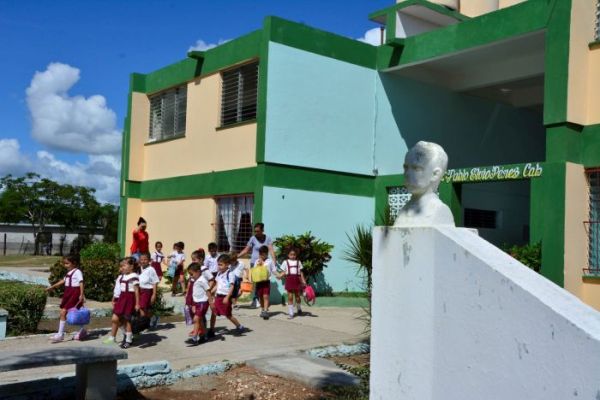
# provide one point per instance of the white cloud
(71, 123)
(201, 45)
(101, 172)
(372, 36)
(12, 161)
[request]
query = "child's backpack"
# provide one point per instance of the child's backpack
(309, 295)
(78, 316)
(260, 273)
(172, 268)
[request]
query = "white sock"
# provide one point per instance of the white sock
(111, 337)
(299, 308)
(291, 310)
(128, 337)
(61, 327)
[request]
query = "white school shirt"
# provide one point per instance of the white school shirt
(76, 277)
(179, 257)
(211, 263)
(117, 289)
(148, 278)
(224, 282)
(205, 272)
(200, 287)
(157, 256)
(133, 279)
(291, 267)
(237, 269)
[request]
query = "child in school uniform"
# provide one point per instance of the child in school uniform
(127, 303)
(211, 259)
(200, 298)
(158, 259)
(263, 287)
(148, 288)
(294, 281)
(177, 257)
(73, 296)
(223, 292)
(237, 269)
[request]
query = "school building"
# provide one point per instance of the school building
(306, 130)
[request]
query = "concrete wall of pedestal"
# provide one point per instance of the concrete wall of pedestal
(463, 320)
(328, 216)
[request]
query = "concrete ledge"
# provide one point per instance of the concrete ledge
(25, 278)
(339, 351)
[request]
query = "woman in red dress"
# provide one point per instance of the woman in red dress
(140, 240)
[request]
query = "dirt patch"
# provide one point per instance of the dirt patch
(246, 383)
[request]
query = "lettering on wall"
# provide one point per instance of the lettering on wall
(493, 173)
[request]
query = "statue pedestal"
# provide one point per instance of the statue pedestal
(454, 317)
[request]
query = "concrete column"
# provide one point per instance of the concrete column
(96, 381)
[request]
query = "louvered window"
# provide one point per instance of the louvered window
(167, 113)
(593, 225)
(239, 93)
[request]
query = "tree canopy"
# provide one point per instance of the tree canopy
(41, 201)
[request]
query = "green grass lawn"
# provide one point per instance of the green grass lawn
(27, 261)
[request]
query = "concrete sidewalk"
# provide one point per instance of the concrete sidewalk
(278, 335)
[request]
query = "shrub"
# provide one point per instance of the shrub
(312, 252)
(57, 272)
(25, 305)
(100, 267)
(529, 254)
(99, 278)
(101, 251)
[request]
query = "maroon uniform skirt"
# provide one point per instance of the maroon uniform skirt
(292, 283)
(125, 305)
(145, 299)
(189, 294)
(263, 288)
(70, 297)
(158, 268)
(201, 309)
(221, 308)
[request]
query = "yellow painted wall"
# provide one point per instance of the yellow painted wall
(139, 131)
(190, 221)
(203, 149)
(474, 8)
(576, 237)
(580, 68)
(576, 211)
(593, 82)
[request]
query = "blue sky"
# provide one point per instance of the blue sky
(95, 45)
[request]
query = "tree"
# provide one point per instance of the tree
(40, 201)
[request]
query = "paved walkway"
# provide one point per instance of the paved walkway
(320, 327)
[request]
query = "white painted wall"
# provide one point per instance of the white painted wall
(456, 318)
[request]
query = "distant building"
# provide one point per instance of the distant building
(305, 130)
(19, 239)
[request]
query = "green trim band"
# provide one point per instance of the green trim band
(320, 42)
(523, 18)
(591, 278)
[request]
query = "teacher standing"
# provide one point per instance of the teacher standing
(256, 242)
(140, 239)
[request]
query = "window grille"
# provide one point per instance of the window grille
(597, 27)
(593, 225)
(234, 222)
(239, 94)
(167, 113)
(398, 196)
(476, 218)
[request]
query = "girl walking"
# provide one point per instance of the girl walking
(177, 259)
(157, 259)
(127, 303)
(261, 276)
(148, 288)
(72, 297)
(294, 281)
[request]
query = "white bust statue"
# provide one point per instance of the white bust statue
(424, 166)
